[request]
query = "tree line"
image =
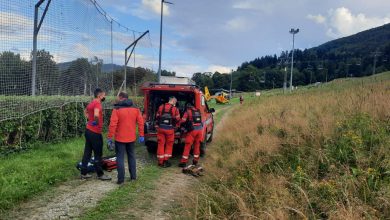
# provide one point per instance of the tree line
(359, 55)
(78, 77)
(310, 66)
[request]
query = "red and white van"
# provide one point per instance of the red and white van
(156, 94)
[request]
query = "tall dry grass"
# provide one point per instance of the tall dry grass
(318, 153)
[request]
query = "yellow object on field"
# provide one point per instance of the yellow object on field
(221, 98)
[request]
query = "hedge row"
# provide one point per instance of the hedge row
(49, 125)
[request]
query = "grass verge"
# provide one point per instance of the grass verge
(316, 153)
(131, 195)
(29, 173)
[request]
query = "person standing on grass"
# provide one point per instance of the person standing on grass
(124, 120)
(241, 99)
(192, 118)
(168, 119)
(93, 136)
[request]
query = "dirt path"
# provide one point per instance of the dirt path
(157, 203)
(70, 199)
(166, 194)
(66, 201)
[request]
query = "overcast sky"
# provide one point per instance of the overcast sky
(216, 35)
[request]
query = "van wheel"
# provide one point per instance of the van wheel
(151, 147)
(203, 146)
(211, 136)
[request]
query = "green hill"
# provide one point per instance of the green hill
(352, 56)
(319, 153)
(359, 44)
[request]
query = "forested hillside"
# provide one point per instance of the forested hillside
(353, 56)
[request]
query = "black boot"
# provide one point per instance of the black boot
(167, 164)
(182, 165)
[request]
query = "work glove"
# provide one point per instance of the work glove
(110, 145)
(141, 139)
(93, 123)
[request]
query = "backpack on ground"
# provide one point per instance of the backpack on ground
(109, 163)
(90, 166)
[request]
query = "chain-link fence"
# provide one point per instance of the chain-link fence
(78, 48)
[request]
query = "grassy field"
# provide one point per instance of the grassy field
(319, 152)
(29, 173)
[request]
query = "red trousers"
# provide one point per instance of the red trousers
(193, 138)
(165, 139)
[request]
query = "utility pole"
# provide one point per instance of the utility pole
(375, 54)
(161, 27)
(285, 80)
(37, 27)
(293, 32)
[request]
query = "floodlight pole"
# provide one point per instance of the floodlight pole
(37, 27)
(285, 80)
(231, 82)
(293, 32)
(161, 27)
(127, 58)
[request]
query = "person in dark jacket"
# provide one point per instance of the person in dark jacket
(123, 123)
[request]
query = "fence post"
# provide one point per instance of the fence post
(21, 133)
(40, 124)
(62, 120)
(77, 118)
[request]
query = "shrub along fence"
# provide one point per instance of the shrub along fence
(48, 125)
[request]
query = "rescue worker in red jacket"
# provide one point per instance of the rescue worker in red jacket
(124, 120)
(192, 121)
(168, 119)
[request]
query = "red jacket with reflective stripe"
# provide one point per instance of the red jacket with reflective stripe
(174, 112)
(123, 124)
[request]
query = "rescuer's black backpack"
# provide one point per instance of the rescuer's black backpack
(196, 119)
(166, 117)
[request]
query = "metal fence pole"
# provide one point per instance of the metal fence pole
(135, 84)
(112, 60)
(37, 27)
(34, 55)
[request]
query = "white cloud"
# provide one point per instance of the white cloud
(219, 68)
(155, 6)
(238, 24)
(317, 18)
(149, 9)
(183, 68)
(267, 7)
(342, 22)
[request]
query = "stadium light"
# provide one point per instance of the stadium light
(161, 25)
(293, 32)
